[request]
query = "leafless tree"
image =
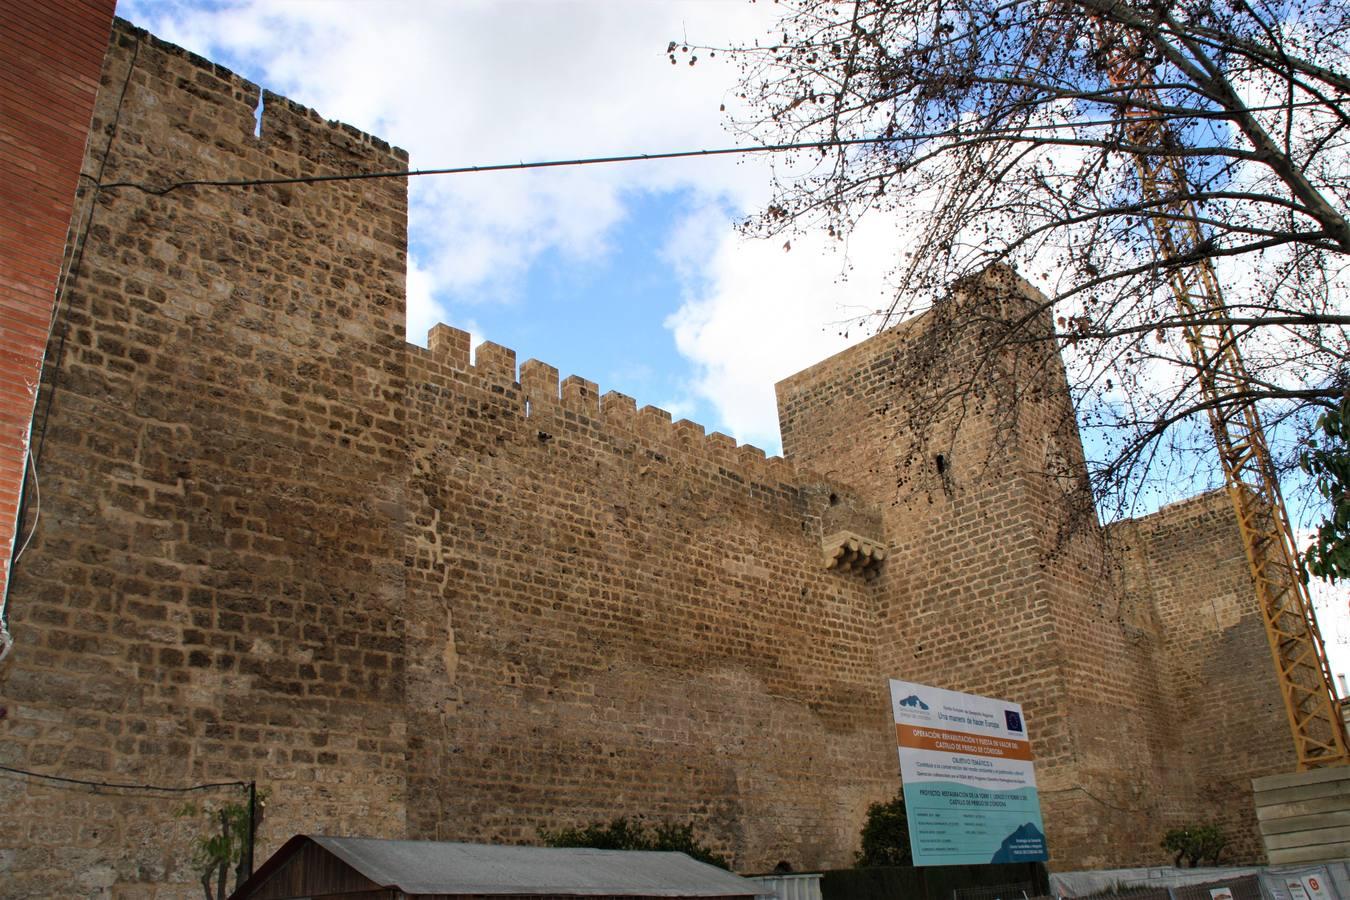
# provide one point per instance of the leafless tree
(1009, 132)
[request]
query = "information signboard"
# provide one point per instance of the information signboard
(969, 781)
(1307, 887)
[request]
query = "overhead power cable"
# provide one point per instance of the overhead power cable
(495, 167)
(974, 135)
(123, 786)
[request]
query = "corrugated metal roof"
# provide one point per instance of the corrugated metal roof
(435, 867)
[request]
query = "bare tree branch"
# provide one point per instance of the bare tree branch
(1010, 135)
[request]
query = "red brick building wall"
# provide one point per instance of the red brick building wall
(50, 57)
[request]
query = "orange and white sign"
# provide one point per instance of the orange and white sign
(948, 741)
(1316, 887)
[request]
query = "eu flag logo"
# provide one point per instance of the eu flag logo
(1014, 720)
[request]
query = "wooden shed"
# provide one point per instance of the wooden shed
(353, 868)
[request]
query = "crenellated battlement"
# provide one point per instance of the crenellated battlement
(543, 394)
(367, 304)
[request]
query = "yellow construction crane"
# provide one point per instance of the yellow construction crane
(1295, 642)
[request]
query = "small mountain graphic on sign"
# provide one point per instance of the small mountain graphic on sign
(913, 700)
(1023, 845)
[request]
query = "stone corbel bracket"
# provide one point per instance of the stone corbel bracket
(846, 551)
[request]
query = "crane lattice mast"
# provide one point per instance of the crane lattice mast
(1295, 642)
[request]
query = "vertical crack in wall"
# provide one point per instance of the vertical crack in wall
(450, 655)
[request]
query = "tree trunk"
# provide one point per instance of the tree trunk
(225, 860)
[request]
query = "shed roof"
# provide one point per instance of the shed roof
(435, 867)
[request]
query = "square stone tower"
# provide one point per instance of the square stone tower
(959, 427)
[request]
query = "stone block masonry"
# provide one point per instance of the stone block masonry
(1183, 577)
(199, 606)
(618, 614)
(999, 582)
(432, 594)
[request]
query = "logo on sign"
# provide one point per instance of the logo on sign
(1014, 720)
(913, 702)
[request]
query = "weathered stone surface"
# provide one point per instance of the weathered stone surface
(1224, 716)
(416, 593)
(216, 590)
(1148, 689)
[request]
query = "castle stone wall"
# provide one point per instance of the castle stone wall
(197, 606)
(615, 613)
(414, 592)
(1187, 563)
(999, 580)
(280, 544)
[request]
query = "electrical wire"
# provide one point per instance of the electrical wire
(1092, 796)
(957, 134)
(28, 539)
(123, 786)
(73, 273)
(7, 639)
(467, 170)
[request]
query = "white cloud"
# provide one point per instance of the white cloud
(425, 311)
(476, 82)
(1333, 619)
(744, 319)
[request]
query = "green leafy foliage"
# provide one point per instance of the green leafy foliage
(885, 835)
(1327, 461)
(223, 847)
(1194, 844)
(628, 834)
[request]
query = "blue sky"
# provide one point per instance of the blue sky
(629, 275)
